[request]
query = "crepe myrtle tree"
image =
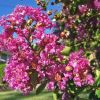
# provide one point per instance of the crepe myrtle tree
(59, 50)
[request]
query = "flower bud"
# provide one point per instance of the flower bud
(57, 77)
(49, 12)
(68, 68)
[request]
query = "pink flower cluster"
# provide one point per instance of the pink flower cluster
(31, 49)
(21, 29)
(80, 69)
(50, 59)
(23, 24)
(17, 75)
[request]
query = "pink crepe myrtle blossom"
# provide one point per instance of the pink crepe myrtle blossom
(83, 8)
(81, 69)
(97, 4)
(50, 86)
(17, 76)
(23, 56)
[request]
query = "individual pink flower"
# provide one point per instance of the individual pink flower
(83, 8)
(97, 4)
(50, 86)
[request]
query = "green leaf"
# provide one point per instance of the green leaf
(43, 0)
(83, 96)
(97, 93)
(80, 98)
(54, 96)
(66, 50)
(97, 73)
(41, 87)
(87, 54)
(34, 76)
(97, 77)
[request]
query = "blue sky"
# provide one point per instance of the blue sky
(7, 6)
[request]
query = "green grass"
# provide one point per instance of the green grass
(13, 95)
(2, 65)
